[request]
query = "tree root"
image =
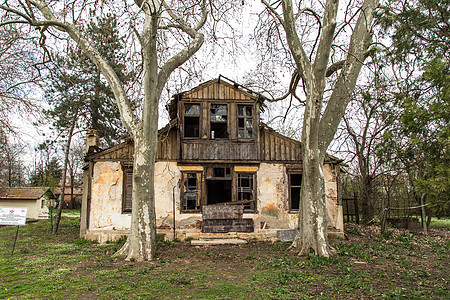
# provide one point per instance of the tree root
(122, 251)
(302, 249)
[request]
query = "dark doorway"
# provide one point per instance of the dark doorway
(219, 191)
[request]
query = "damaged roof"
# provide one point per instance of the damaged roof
(197, 91)
(24, 193)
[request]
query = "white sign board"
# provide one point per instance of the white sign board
(13, 215)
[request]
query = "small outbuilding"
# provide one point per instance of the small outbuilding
(36, 199)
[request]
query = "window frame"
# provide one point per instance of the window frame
(226, 122)
(253, 190)
(184, 176)
(290, 186)
(192, 116)
(245, 118)
(127, 205)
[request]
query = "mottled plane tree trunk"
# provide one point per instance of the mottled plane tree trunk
(320, 123)
(141, 242)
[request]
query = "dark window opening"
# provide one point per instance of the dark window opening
(219, 121)
(191, 126)
(295, 185)
(219, 191)
(192, 120)
(245, 122)
(127, 190)
(246, 191)
(222, 172)
(191, 191)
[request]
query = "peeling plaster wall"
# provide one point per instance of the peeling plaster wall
(108, 221)
(167, 180)
(272, 184)
(335, 218)
(106, 198)
(272, 194)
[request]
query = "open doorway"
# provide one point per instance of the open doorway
(219, 191)
(219, 185)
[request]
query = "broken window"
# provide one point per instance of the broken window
(245, 122)
(246, 191)
(192, 120)
(191, 191)
(127, 190)
(219, 121)
(295, 185)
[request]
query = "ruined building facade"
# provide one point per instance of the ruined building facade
(215, 158)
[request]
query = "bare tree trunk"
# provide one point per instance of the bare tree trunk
(319, 128)
(63, 185)
(424, 215)
(312, 234)
(142, 239)
(368, 199)
(72, 200)
(141, 242)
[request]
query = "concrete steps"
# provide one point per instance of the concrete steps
(218, 242)
(218, 239)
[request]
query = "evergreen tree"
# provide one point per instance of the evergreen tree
(47, 174)
(80, 91)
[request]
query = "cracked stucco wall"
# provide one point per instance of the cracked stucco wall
(107, 219)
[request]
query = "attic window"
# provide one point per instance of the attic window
(245, 122)
(219, 121)
(192, 120)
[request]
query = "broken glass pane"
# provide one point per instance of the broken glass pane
(240, 110)
(241, 133)
(192, 109)
(218, 113)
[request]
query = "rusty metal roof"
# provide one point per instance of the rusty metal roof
(23, 193)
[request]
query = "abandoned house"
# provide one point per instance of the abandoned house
(218, 169)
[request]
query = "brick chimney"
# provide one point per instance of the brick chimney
(91, 141)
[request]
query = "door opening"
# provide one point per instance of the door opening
(219, 191)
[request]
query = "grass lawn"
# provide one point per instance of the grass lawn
(443, 222)
(395, 265)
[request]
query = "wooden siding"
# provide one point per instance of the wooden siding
(276, 147)
(167, 149)
(167, 145)
(218, 90)
(266, 145)
(219, 150)
(273, 147)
